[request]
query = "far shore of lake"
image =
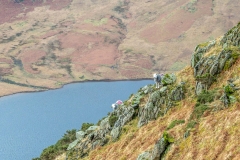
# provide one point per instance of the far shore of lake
(85, 81)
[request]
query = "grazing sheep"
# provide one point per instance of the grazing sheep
(157, 79)
(114, 106)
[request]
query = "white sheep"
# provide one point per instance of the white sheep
(157, 79)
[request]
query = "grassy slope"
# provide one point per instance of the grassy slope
(216, 136)
(41, 48)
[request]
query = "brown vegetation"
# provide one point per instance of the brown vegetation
(64, 41)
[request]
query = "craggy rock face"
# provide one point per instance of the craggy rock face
(186, 112)
(211, 58)
(160, 101)
(110, 128)
(47, 43)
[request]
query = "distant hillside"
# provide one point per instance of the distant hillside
(47, 43)
(194, 115)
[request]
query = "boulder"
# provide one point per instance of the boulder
(144, 156)
(91, 129)
(80, 135)
(147, 89)
(159, 149)
(177, 93)
(73, 144)
(115, 132)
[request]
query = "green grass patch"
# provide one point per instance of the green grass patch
(228, 90)
(205, 97)
(175, 123)
(191, 124)
(198, 111)
(112, 119)
(167, 137)
(85, 126)
(203, 45)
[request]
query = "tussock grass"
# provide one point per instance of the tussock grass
(134, 141)
(214, 134)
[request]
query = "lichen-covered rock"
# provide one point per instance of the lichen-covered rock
(80, 135)
(136, 99)
(168, 79)
(151, 109)
(158, 150)
(73, 144)
(147, 89)
(144, 156)
(177, 93)
(104, 125)
(115, 132)
(91, 129)
(207, 67)
(201, 49)
(159, 102)
(232, 37)
(124, 114)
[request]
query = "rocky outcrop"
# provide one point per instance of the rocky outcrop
(161, 100)
(221, 56)
(158, 149)
(208, 60)
(232, 37)
(109, 127)
(231, 92)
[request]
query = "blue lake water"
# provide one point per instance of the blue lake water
(30, 122)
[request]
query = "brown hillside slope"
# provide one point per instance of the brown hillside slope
(215, 136)
(195, 125)
(47, 43)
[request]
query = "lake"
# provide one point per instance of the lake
(30, 122)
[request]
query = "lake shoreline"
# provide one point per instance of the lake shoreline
(85, 81)
(43, 118)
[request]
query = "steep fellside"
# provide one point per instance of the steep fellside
(45, 44)
(194, 115)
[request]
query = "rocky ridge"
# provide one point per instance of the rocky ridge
(45, 44)
(207, 89)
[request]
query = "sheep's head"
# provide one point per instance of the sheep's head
(155, 75)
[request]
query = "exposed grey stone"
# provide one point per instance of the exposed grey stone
(159, 149)
(159, 103)
(186, 134)
(163, 89)
(199, 88)
(104, 125)
(151, 109)
(91, 129)
(207, 67)
(147, 89)
(80, 135)
(115, 132)
(144, 156)
(73, 144)
(95, 144)
(214, 69)
(177, 93)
